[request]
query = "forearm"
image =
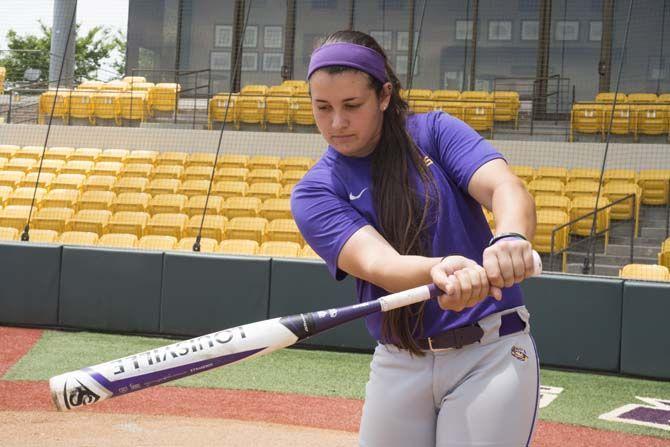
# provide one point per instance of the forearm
(396, 273)
(513, 209)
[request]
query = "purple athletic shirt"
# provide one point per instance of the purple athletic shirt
(333, 201)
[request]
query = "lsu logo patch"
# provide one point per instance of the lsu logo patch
(519, 353)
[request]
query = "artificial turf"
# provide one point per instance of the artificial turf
(333, 374)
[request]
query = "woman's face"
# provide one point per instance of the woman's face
(347, 110)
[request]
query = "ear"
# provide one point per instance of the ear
(385, 99)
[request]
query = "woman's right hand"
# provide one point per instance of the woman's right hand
(464, 282)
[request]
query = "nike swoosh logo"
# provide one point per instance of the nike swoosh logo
(358, 196)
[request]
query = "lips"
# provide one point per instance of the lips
(342, 137)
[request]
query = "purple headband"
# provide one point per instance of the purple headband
(349, 55)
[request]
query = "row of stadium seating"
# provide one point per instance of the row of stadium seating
(636, 114)
(164, 243)
(116, 100)
(289, 104)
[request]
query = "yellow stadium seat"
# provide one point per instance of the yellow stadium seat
(655, 186)
(167, 203)
(78, 238)
(664, 254)
(78, 167)
(624, 210)
(60, 198)
(275, 209)
(221, 108)
(582, 206)
(232, 161)
(167, 224)
(116, 240)
(241, 207)
(292, 177)
(213, 226)
(21, 164)
(171, 158)
(55, 219)
(558, 203)
(649, 272)
(96, 200)
(231, 174)
(415, 94)
(48, 167)
(581, 188)
(105, 105)
(92, 221)
(254, 90)
(131, 106)
(43, 236)
(294, 84)
(118, 155)
(198, 172)
(163, 186)
(207, 245)
(551, 172)
(92, 86)
(250, 110)
(201, 159)
(196, 205)
(130, 184)
(86, 153)
(278, 111)
(478, 115)
(446, 95)
(8, 150)
(309, 253)
(114, 86)
(280, 91)
(280, 249)
(24, 196)
(239, 247)
(622, 123)
(5, 191)
(58, 153)
(46, 106)
(295, 164)
(586, 118)
(422, 106)
(264, 190)
(547, 222)
(286, 191)
(550, 187)
(172, 172)
(163, 97)
(137, 170)
(68, 181)
(131, 201)
(226, 189)
(9, 234)
(81, 106)
(264, 176)
(583, 174)
(107, 168)
(99, 183)
(620, 176)
(507, 106)
(525, 173)
(34, 152)
(252, 228)
(608, 97)
(14, 216)
(301, 111)
(284, 230)
(11, 178)
(263, 162)
(193, 187)
(157, 242)
(131, 222)
(134, 79)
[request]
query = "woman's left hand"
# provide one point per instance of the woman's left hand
(508, 261)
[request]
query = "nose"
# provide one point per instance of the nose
(339, 121)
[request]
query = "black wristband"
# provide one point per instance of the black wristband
(497, 237)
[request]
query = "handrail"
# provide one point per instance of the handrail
(587, 238)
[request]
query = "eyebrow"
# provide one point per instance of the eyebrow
(344, 100)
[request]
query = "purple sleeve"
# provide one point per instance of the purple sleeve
(461, 149)
(325, 220)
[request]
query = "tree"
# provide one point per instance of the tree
(32, 51)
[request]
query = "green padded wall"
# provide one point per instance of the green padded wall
(29, 281)
(576, 320)
(111, 290)
(645, 342)
(299, 286)
(204, 293)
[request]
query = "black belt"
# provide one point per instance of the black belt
(467, 335)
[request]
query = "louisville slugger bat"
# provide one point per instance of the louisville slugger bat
(160, 365)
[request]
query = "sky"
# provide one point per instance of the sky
(23, 15)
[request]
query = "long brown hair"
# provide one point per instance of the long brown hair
(402, 215)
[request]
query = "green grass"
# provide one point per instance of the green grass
(584, 398)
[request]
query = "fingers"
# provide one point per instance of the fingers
(508, 262)
(466, 288)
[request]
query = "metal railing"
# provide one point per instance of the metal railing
(594, 213)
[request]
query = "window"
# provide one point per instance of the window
(567, 30)
(500, 30)
(530, 29)
(463, 29)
